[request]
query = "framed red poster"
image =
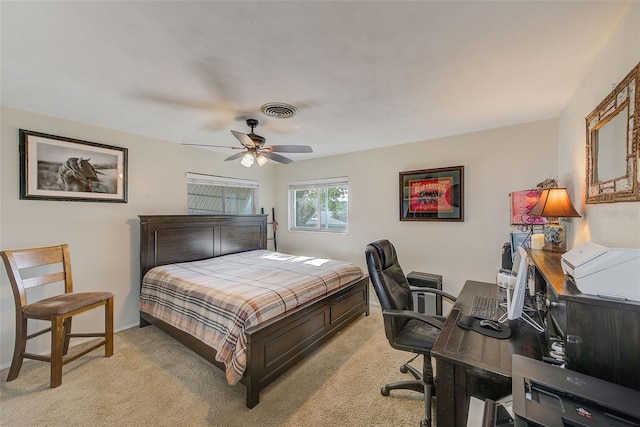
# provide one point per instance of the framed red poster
(521, 204)
(432, 194)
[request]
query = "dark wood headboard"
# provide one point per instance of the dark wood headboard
(167, 239)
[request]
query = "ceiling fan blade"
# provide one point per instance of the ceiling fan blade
(236, 156)
(244, 139)
(289, 148)
(216, 146)
(276, 157)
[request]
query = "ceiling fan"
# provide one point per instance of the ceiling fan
(256, 151)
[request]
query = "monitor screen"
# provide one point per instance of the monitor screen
(517, 260)
(517, 240)
(515, 298)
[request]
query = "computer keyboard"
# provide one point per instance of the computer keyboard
(485, 307)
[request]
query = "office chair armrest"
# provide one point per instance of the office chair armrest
(409, 314)
(433, 291)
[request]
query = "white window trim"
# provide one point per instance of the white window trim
(311, 184)
(314, 183)
(197, 178)
(223, 181)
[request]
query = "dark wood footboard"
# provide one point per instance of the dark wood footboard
(273, 346)
(278, 344)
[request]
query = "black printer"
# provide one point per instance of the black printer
(548, 395)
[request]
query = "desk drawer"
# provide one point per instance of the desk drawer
(603, 338)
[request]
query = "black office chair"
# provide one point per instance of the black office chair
(405, 328)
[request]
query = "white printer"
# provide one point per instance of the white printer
(604, 271)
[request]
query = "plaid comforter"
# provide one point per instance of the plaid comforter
(217, 299)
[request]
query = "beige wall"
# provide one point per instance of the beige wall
(495, 162)
(103, 237)
(615, 224)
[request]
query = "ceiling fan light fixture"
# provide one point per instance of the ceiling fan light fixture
(256, 151)
(262, 160)
(247, 160)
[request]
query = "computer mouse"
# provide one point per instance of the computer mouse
(490, 324)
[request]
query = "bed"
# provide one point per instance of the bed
(272, 346)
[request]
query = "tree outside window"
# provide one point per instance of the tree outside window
(320, 206)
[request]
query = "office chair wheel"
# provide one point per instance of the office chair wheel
(384, 391)
(425, 423)
(404, 369)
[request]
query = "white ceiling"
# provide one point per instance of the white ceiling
(363, 74)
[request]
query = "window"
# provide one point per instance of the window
(214, 195)
(319, 205)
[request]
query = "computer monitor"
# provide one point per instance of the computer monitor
(515, 296)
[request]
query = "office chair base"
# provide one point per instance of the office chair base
(406, 368)
(418, 386)
(403, 385)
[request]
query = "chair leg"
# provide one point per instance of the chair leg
(406, 364)
(108, 328)
(415, 385)
(57, 347)
(18, 348)
(406, 368)
(67, 335)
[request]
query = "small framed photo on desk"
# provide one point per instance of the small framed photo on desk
(519, 239)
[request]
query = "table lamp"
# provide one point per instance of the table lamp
(552, 204)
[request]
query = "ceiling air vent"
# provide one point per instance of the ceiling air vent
(279, 110)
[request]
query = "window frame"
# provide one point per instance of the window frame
(224, 182)
(318, 185)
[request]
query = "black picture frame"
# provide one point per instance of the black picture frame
(432, 194)
(59, 168)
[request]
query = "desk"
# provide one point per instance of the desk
(471, 364)
(608, 328)
(551, 281)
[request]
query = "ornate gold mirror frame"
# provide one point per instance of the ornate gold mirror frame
(612, 144)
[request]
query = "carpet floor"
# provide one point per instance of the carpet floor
(153, 380)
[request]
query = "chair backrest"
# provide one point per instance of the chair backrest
(389, 282)
(46, 265)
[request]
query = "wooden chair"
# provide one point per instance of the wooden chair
(54, 267)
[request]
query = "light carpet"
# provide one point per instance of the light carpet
(153, 380)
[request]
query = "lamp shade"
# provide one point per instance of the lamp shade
(554, 202)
